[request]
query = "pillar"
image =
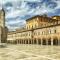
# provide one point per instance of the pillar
(46, 41)
(20, 41)
(17, 41)
(37, 41)
(41, 41)
(52, 41)
(0, 37)
(28, 41)
(25, 41)
(58, 41)
(33, 41)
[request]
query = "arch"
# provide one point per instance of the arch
(35, 41)
(49, 41)
(55, 41)
(44, 41)
(29, 41)
(26, 41)
(15, 42)
(39, 41)
(20, 41)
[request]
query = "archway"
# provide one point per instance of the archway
(55, 41)
(26, 41)
(44, 41)
(49, 41)
(29, 41)
(39, 41)
(20, 41)
(35, 41)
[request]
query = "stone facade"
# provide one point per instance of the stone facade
(39, 30)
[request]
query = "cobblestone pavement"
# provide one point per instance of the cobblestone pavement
(30, 52)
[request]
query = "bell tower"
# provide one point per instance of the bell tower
(2, 18)
(3, 33)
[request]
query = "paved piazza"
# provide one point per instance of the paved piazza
(30, 52)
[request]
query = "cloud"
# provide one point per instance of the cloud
(17, 11)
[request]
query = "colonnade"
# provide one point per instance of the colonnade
(43, 41)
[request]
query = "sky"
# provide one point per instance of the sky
(17, 11)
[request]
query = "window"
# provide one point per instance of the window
(27, 27)
(42, 33)
(35, 25)
(29, 34)
(32, 27)
(34, 33)
(54, 31)
(38, 33)
(26, 34)
(49, 31)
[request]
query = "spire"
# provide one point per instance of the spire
(3, 10)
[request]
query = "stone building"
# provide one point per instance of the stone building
(11, 37)
(41, 30)
(3, 28)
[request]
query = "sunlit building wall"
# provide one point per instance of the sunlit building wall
(39, 30)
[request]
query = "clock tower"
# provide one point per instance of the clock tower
(2, 18)
(3, 32)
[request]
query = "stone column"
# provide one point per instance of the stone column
(37, 41)
(0, 34)
(33, 41)
(58, 41)
(46, 41)
(17, 41)
(25, 41)
(0, 38)
(41, 41)
(20, 41)
(51, 41)
(28, 41)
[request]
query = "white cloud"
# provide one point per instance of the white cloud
(58, 3)
(16, 22)
(20, 8)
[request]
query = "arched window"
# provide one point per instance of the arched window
(49, 31)
(54, 31)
